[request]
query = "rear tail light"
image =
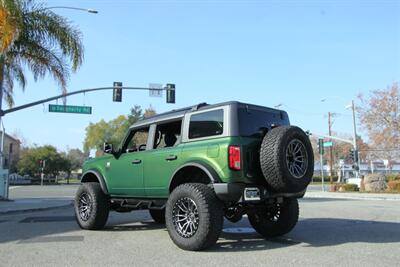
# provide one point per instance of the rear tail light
(234, 158)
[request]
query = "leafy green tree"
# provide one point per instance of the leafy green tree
(29, 162)
(114, 130)
(102, 131)
(76, 157)
(32, 35)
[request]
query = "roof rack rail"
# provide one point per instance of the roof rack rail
(196, 107)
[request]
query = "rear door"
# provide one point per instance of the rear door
(163, 159)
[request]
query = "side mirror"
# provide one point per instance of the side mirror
(108, 148)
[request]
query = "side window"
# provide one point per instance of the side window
(167, 134)
(137, 140)
(206, 124)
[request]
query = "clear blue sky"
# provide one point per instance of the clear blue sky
(262, 52)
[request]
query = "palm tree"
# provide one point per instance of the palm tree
(35, 38)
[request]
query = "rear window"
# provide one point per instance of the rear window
(205, 124)
(253, 122)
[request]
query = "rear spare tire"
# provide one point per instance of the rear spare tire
(287, 159)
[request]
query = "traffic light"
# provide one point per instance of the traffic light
(42, 163)
(170, 88)
(321, 146)
(354, 155)
(117, 92)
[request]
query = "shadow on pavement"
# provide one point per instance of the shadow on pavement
(320, 199)
(312, 232)
(136, 227)
(315, 232)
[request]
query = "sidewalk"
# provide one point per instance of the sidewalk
(32, 204)
(352, 195)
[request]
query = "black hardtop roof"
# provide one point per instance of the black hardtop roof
(202, 106)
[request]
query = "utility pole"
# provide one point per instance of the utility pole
(330, 149)
(355, 139)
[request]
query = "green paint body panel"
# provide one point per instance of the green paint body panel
(148, 174)
(151, 178)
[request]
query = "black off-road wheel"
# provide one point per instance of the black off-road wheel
(158, 215)
(287, 159)
(92, 206)
(275, 220)
(194, 217)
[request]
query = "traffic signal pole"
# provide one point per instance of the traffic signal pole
(4, 112)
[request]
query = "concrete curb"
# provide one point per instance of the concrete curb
(36, 209)
(356, 197)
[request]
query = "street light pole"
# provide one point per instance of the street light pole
(89, 10)
(330, 150)
(355, 147)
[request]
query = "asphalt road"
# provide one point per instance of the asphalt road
(330, 233)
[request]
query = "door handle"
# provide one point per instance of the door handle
(136, 161)
(171, 157)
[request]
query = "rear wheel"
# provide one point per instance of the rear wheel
(194, 216)
(158, 215)
(275, 220)
(91, 206)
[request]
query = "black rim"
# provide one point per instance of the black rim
(85, 206)
(271, 214)
(185, 217)
(296, 158)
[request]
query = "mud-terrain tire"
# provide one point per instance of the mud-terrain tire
(158, 215)
(275, 220)
(92, 206)
(197, 205)
(287, 159)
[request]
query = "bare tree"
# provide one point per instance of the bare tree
(379, 115)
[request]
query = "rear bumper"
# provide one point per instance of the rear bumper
(234, 192)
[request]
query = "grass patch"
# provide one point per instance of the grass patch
(71, 181)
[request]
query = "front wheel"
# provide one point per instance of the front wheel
(194, 216)
(275, 220)
(91, 206)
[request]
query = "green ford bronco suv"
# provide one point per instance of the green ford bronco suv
(194, 166)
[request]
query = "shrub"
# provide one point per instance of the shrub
(348, 188)
(340, 187)
(393, 176)
(394, 186)
(335, 187)
(318, 179)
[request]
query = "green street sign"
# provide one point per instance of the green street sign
(70, 109)
(328, 144)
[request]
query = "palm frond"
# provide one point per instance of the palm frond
(44, 42)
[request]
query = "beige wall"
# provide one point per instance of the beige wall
(11, 151)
